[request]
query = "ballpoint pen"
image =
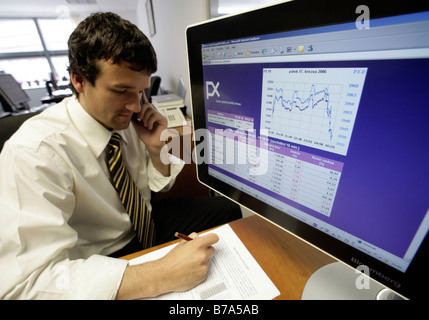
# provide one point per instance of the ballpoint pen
(182, 236)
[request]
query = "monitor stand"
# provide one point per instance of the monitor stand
(337, 281)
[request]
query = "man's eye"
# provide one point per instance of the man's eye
(119, 91)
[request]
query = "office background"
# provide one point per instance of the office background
(34, 33)
(170, 19)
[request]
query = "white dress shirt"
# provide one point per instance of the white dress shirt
(59, 213)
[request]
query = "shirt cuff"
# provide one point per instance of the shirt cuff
(157, 181)
(100, 279)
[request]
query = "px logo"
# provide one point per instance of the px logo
(213, 87)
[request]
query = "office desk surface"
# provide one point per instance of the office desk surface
(287, 260)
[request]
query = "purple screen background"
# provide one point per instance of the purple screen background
(382, 196)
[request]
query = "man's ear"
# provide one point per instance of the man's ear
(78, 81)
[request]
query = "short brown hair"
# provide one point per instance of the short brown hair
(106, 36)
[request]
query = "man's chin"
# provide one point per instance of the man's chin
(121, 124)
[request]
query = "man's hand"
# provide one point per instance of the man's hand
(183, 268)
(149, 126)
(189, 262)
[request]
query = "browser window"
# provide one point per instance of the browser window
(293, 115)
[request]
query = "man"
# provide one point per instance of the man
(61, 217)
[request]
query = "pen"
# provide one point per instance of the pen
(182, 236)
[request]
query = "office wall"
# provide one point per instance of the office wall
(171, 19)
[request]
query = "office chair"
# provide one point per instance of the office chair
(9, 125)
(155, 82)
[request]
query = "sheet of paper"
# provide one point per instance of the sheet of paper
(233, 273)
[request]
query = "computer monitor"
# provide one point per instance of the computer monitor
(11, 93)
(314, 115)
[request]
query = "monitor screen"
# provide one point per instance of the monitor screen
(319, 125)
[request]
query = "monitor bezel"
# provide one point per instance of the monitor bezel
(270, 20)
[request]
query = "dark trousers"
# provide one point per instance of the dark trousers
(186, 215)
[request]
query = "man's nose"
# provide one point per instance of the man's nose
(135, 104)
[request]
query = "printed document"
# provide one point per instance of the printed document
(233, 274)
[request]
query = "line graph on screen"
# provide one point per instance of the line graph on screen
(313, 107)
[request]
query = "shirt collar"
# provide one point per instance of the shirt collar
(95, 134)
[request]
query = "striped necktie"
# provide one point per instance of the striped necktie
(130, 196)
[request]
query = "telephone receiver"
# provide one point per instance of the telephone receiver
(134, 116)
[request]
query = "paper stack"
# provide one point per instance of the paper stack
(167, 100)
(233, 275)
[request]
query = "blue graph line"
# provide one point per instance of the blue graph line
(301, 104)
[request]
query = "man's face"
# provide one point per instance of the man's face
(115, 95)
